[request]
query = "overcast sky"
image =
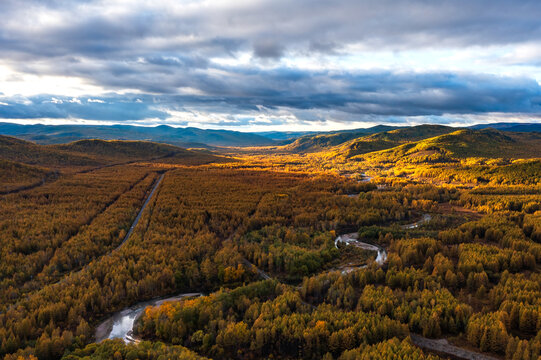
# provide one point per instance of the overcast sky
(270, 65)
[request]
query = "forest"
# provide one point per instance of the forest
(236, 254)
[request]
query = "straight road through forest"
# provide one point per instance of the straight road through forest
(126, 238)
(136, 221)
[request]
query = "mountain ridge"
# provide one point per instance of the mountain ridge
(460, 144)
(184, 137)
(91, 152)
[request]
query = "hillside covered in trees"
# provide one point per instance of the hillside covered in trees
(89, 154)
(486, 143)
(273, 254)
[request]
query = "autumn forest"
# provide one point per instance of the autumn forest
(416, 243)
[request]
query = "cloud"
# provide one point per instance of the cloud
(114, 109)
(310, 96)
(265, 61)
(94, 28)
(268, 49)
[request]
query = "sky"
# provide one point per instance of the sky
(270, 65)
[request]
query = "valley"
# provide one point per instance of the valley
(270, 180)
(422, 242)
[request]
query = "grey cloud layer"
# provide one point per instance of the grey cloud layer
(356, 95)
(164, 51)
(269, 28)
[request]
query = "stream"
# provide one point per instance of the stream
(353, 239)
(365, 178)
(120, 324)
(426, 218)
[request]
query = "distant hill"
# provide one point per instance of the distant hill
(393, 138)
(116, 150)
(184, 137)
(488, 143)
(516, 127)
(14, 175)
(26, 152)
(284, 135)
(322, 141)
(384, 136)
(95, 153)
(293, 141)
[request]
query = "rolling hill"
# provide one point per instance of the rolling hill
(116, 150)
(95, 153)
(393, 138)
(517, 127)
(380, 137)
(26, 152)
(285, 136)
(318, 142)
(15, 176)
(184, 137)
(465, 143)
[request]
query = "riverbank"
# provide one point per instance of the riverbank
(120, 324)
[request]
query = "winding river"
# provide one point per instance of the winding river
(426, 218)
(120, 324)
(353, 240)
(365, 178)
